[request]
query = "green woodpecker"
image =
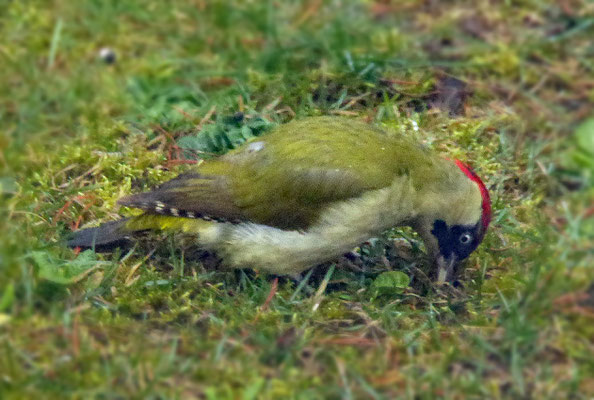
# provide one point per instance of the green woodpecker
(310, 191)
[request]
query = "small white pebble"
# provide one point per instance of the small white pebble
(107, 55)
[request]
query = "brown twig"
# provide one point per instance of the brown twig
(273, 291)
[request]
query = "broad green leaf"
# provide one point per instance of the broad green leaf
(66, 273)
(390, 282)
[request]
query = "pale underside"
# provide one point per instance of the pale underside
(342, 227)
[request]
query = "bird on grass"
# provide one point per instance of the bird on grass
(310, 191)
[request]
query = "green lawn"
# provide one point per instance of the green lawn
(505, 85)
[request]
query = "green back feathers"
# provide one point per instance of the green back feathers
(299, 168)
(286, 178)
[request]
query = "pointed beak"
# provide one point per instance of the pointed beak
(445, 268)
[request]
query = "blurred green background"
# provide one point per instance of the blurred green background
(102, 98)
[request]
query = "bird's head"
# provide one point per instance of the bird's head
(455, 221)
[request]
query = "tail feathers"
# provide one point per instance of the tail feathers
(106, 236)
(117, 233)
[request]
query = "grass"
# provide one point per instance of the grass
(159, 322)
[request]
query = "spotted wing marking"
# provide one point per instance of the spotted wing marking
(162, 209)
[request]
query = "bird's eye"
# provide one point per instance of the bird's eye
(465, 238)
